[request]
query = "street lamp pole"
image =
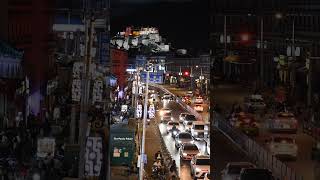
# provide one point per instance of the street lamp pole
(145, 111)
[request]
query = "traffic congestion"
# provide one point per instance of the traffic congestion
(185, 136)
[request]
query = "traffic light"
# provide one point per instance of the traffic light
(186, 73)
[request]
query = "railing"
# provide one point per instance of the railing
(257, 154)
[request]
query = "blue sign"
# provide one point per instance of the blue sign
(156, 78)
(104, 48)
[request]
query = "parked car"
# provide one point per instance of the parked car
(189, 117)
(283, 147)
(233, 169)
(188, 150)
(198, 108)
(189, 93)
(182, 138)
(256, 174)
(200, 164)
(283, 122)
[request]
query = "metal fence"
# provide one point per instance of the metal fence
(257, 154)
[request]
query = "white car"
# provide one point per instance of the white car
(187, 151)
(284, 122)
(190, 93)
(182, 116)
(233, 169)
(198, 108)
(170, 125)
(188, 125)
(198, 100)
(200, 164)
(199, 130)
(283, 146)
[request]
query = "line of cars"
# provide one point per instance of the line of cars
(184, 140)
(282, 125)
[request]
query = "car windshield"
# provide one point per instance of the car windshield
(203, 162)
(189, 123)
(283, 140)
(190, 147)
(234, 169)
(190, 117)
(199, 127)
(185, 136)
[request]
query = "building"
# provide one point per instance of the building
(11, 76)
(284, 24)
(119, 61)
(27, 26)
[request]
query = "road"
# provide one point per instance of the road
(226, 95)
(223, 150)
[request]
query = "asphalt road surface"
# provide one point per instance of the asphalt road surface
(223, 150)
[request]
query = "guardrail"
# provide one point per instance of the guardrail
(257, 154)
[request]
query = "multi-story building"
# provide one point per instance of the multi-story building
(27, 26)
(281, 25)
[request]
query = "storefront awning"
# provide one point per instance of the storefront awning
(10, 61)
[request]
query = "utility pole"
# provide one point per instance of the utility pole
(84, 121)
(145, 111)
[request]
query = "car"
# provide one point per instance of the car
(165, 115)
(208, 146)
(170, 125)
(189, 93)
(233, 169)
(188, 125)
(166, 96)
(246, 123)
(182, 116)
(199, 130)
(254, 102)
(198, 100)
(207, 176)
(198, 108)
(188, 150)
(283, 147)
(255, 174)
(182, 138)
(199, 165)
(283, 122)
(190, 117)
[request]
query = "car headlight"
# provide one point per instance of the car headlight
(198, 169)
(192, 141)
(161, 113)
(199, 154)
(179, 141)
(174, 132)
(184, 154)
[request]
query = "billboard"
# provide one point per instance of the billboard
(104, 48)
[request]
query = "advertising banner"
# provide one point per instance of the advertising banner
(93, 156)
(104, 48)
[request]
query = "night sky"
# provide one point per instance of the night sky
(184, 23)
